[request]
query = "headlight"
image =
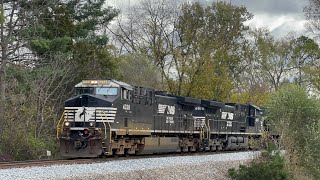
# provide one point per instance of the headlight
(91, 124)
(66, 123)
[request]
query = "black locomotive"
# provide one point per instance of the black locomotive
(109, 117)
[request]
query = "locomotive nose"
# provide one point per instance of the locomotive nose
(87, 100)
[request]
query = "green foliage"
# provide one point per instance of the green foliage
(307, 45)
(71, 27)
(67, 44)
(274, 58)
(208, 56)
(255, 95)
(296, 117)
(292, 112)
(270, 166)
(20, 140)
(306, 54)
(218, 88)
(137, 69)
(94, 62)
(20, 144)
(311, 155)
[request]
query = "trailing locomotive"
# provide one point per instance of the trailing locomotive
(109, 117)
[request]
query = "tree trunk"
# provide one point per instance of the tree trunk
(3, 75)
(40, 112)
(2, 89)
(41, 121)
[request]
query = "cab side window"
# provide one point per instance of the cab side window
(125, 94)
(136, 95)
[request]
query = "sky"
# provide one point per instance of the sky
(279, 16)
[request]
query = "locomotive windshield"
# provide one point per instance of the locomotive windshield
(84, 90)
(110, 91)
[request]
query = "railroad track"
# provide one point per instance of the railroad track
(30, 163)
(20, 164)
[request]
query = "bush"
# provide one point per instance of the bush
(295, 115)
(269, 166)
(22, 145)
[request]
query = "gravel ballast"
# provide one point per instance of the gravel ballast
(212, 166)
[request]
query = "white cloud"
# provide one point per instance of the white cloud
(279, 25)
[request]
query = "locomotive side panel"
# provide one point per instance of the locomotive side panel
(143, 107)
(165, 114)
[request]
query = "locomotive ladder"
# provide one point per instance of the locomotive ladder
(59, 125)
(206, 133)
(63, 118)
(106, 141)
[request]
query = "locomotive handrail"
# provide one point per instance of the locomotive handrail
(109, 127)
(58, 125)
(207, 130)
(104, 124)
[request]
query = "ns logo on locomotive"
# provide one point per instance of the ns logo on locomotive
(109, 117)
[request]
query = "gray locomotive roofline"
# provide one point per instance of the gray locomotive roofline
(233, 104)
(123, 84)
(165, 96)
(112, 83)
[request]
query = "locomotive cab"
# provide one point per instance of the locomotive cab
(89, 116)
(249, 117)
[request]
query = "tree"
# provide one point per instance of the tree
(209, 49)
(49, 85)
(306, 62)
(137, 69)
(148, 29)
(275, 58)
(46, 46)
(274, 63)
(188, 44)
(313, 17)
(65, 40)
(12, 24)
(34, 99)
(251, 87)
(74, 28)
(295, 117)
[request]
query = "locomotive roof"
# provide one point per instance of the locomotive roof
(254, 106)
(123, 84)
(188, 100)
(196, 102)
(104, 83)
(212, 103)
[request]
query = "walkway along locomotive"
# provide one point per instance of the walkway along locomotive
(109, 117)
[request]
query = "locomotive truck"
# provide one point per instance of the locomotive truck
(110, 117)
